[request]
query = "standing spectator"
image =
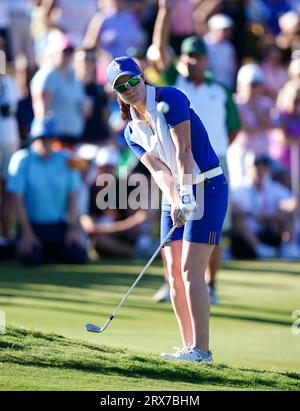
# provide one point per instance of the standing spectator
(255, 111)
(288, 38)
(71, 17)
(211, 101)
(114, 29)
(44, 188)
(263, 214)
(20, 33)
(96, 127)
(182, 23)
(55, 89)
(274, 71)
(9, 142)
(25, 110)
(220, 49)
(275, 9)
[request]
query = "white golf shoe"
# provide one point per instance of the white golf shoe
(177, 354)
(194, 354)
(163, 294)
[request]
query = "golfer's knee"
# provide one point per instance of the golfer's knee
(191, 272)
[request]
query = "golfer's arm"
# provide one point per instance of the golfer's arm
(162, 176)
(181, 136)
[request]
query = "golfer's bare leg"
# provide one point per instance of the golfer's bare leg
(177, 289)
(213, 266)
(195, 259)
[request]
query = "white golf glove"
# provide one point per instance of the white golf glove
(187, 201)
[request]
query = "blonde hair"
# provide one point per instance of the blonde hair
(287, 96)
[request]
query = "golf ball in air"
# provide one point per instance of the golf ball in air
(163, 107)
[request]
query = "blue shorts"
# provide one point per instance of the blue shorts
(206, 229)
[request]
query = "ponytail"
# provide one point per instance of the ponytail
(124, 109)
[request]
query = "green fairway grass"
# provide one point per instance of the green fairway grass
(251, 328)
(32, 360)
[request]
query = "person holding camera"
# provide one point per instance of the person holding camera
(9, 143)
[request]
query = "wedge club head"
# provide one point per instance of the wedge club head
(93, 328)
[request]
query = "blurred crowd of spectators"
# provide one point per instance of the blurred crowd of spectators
(238, 61)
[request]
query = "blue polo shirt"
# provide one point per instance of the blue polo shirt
(44, 184)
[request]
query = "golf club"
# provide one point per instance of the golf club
(95, 328)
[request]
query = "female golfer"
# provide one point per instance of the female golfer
(171, 141)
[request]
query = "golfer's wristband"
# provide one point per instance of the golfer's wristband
(186, 195)
(187, 200)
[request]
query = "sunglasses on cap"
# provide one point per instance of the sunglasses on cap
(132, 82)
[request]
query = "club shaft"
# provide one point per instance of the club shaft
(141, 274)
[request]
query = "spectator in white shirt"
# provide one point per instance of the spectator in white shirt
(263, 215)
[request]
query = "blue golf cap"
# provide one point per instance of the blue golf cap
(121, 66)
(43, 127)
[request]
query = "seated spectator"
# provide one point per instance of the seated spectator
(113, 232)
(96, 126)
(255, 111)
(9, 143)
(55, 89)
(274, 71)
(263, 214)
(44, 188)
(286, 142)
(220, 49)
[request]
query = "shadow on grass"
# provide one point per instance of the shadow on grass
(249, 266)
(254, 308)
(256, 319)
(68, 278)
(56, 352)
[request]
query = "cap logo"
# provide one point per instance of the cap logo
(116, 66)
